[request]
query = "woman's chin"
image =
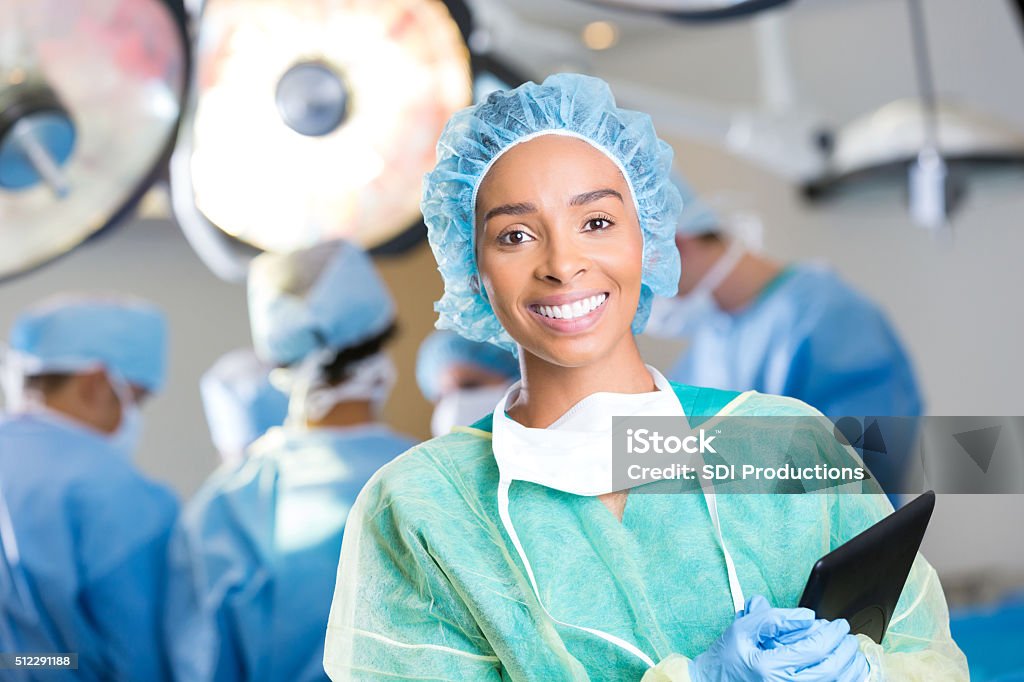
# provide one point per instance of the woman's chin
(580, 351)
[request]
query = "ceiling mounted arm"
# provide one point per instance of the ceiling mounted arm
(693, 10)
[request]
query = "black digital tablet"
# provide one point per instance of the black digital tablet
(862, 579)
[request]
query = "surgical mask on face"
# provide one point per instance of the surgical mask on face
(129, 431)
(680, 316)
(15, 368)
(12, 383)
(464, 407)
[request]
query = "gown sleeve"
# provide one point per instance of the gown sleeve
(918, 645)
(395, 614)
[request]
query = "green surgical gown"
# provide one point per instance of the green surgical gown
(430, 586)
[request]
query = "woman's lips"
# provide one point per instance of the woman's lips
(574, 314)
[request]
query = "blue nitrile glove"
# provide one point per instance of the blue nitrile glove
(766, 643)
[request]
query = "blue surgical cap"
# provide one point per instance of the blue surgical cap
(70, 333)
(565, 104)
(328, 296)
(444, 349)
(697, 217)
(240, 402)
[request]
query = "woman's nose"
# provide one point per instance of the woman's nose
(564, 260)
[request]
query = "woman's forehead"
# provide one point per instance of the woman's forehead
(550, 163)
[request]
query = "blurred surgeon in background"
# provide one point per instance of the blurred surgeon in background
(793, 330)
(464, 379)
(85, 534)
(240, 403)
(254, 559)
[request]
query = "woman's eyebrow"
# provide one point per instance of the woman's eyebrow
(588, 197)
(510, 209)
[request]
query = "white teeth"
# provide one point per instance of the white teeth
(571, 311)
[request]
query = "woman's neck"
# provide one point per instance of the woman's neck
(549, 390)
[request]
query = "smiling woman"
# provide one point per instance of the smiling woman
(504, 551)
(562, 270)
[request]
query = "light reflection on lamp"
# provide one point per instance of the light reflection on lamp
(317, 120)
(90, 96)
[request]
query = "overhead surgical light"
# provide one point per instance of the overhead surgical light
(893, 136)
(315, 120)
(926, 146)
(693, 10)
(90, 97)
(933, 144)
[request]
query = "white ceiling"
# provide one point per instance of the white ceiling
(849, 56)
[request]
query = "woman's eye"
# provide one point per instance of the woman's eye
(513, 237)
(599, 223)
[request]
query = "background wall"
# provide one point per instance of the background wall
(955, 301)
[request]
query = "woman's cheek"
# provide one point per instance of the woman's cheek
(506, 278)
(494, 292)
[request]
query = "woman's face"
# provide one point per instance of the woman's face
(559, 249)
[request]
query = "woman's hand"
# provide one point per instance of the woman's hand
(766, 643)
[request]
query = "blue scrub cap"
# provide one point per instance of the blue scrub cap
(697, 217)
(443, 349)
(65, 334)
(240, 402)
(326, 296)
(567, 104)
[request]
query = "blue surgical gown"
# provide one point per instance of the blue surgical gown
(807, 336)
(84, 570)
(254, 558)
(810, 336)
